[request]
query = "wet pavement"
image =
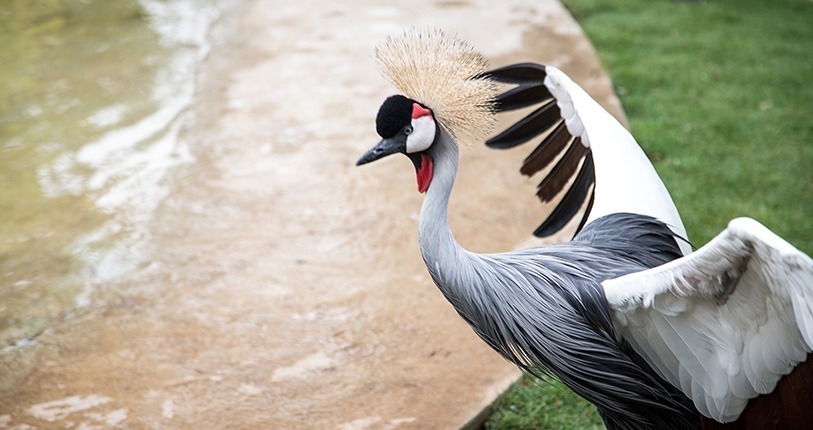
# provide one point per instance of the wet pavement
(280, 286)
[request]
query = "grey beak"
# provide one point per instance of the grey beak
(384, 148)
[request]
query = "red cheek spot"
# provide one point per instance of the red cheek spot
(419, 111)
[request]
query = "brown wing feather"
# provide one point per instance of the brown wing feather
(561, 173)
(546, 151)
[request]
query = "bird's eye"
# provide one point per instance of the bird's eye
(408, 130)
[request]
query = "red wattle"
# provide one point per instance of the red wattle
(424, 173)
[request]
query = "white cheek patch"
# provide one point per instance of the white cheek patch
(422, 136)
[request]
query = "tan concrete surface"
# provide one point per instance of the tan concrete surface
(286, 289)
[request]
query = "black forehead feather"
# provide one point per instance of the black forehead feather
(393, 115)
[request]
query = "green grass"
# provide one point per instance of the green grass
(720, 95)
(536, 404)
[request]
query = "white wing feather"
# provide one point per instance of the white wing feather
(724, 323)
(630, 186)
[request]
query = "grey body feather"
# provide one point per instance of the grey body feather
(544, 308)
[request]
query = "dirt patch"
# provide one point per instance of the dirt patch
(286, 289)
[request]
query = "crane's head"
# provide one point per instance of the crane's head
(406, 127)
(444, 87)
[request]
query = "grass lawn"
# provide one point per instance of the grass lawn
(720, 96)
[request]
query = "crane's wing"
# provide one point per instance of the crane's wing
(564, 150)
(724, 323)
(590, 165)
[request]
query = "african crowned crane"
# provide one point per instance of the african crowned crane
(653, 338)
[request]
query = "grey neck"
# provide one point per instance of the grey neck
(446, 260)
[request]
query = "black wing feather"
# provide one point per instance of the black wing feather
(527, 128)
(530, 90)
(521, 73)
(522, 96)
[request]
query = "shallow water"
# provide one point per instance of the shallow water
(94, 96)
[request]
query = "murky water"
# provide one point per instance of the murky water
(93, 98)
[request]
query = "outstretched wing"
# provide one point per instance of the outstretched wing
(724, 323)
(590, 165)
(564, 151)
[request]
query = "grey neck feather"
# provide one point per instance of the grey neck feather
(448, 263)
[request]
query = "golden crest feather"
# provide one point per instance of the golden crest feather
(442, 73)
